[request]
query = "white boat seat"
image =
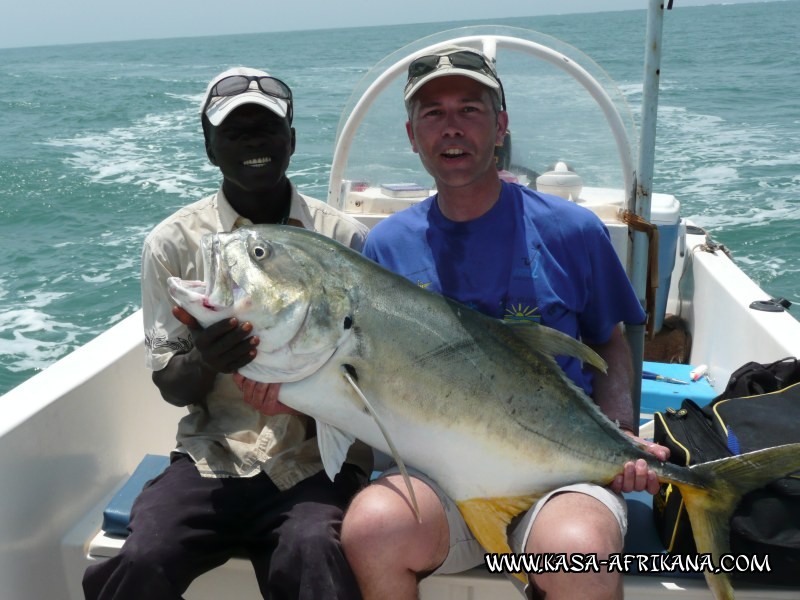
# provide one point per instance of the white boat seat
(642, 537)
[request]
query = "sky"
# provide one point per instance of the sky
(55, 22)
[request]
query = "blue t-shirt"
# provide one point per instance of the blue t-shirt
(531, 257)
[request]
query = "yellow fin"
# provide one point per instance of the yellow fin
(721, 485)
(488, 519)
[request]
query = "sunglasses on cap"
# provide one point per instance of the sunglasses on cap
(233, 85)
(459, 59)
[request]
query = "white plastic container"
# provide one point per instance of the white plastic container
(560, 182)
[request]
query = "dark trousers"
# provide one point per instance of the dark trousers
(183, 525)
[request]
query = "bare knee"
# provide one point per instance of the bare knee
(575, 523)
(380, 527)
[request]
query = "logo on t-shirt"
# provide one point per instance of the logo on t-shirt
(520, 312)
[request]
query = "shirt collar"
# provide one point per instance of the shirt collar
(229, 219)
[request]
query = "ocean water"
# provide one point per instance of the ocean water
(99, 142)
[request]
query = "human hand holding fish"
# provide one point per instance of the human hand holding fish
(637, 476)
(263, 396)
(225, 345)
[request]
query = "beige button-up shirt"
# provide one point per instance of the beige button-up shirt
(224, 436)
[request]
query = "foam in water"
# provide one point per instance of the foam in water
(36, 339)
(152, 153)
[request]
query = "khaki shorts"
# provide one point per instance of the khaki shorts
(465, 551)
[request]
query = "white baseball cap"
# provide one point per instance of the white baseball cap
(452, 60)
(219, 103)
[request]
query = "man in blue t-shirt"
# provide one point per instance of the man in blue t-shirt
(511, 253)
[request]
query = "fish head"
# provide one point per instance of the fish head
(297, 309)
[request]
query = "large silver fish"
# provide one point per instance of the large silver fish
(479, 405)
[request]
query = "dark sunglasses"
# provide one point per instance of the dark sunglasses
(234, 85)
(460, 59)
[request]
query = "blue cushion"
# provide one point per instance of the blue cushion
(642, 536)
(117, 513)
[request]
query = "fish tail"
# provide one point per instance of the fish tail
(712, 498)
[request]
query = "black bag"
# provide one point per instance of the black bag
(754, 378)
(767, 520)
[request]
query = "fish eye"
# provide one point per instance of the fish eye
(260, 252)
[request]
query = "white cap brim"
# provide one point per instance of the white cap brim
(447, 71)
(223, 106)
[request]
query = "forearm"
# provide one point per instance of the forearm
(612, 391)
(185, 380)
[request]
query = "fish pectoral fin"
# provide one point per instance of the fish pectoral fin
(488, 519)
(333, 446)
(553, 342)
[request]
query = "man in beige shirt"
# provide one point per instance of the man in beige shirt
(246, 477)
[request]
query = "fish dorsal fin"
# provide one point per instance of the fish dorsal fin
(488, 519)
(395, 454)
(553, 342)
(333, 446)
